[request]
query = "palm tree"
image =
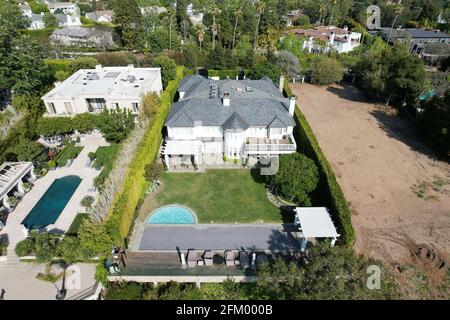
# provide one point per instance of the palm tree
(237, 15)
(200, 33)
(398, 9)
(171, 16)
(322, 10)
(334, 3)
(260, 9)
(214, 11)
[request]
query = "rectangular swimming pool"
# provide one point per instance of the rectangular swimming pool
(52, 203)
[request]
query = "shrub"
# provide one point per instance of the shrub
(168, 68)
(85, 122)
(87, 202)
(154, 170)
(325, 70)
(125, 291)
(82, 63)
(71, 250)
(52, 164)
(328, 187)
(25, 247)
(296, 178)
(92, 155)
(54, 126)
(265, 69)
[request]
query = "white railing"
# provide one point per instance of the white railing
(270, 147)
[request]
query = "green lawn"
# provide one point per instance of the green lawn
(75, 226)
(105, 158)
(70, 152)
(220, 196)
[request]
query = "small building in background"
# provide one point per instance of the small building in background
(26, 10)
(93, 90)
(104, 16)
(65, 7)
(322, 39)
(84, 37)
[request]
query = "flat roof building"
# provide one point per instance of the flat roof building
(92, 90)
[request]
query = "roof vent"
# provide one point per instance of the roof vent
(248, 89)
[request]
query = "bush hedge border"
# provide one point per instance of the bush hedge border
(121, 216)
(328, 187)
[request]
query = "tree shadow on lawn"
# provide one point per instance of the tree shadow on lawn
(348, 92)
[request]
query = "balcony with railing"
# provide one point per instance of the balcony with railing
(274, 146)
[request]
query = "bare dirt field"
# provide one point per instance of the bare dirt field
(398, 191)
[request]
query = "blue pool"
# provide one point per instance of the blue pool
(172, 214)
(52, 203)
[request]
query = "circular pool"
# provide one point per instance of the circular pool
(172, 214)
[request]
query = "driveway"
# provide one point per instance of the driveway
(398, 191)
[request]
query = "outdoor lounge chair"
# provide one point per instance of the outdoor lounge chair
(192, 258)
(208, 258)
(244, 259)
(229, 258)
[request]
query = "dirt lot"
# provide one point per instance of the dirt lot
(398, 191)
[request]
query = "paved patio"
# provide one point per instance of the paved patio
(14, 228)
(263, 237)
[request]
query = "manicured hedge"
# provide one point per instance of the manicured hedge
(329, 189)
(120, 218)
(223, 74)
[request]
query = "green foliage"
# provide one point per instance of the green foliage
(115, 59)
(325, 70)
(125, 291)
(168, 68)
(115, 125)
(105, 158)
(93, 237)
(154, 171)
(101, 274)
(82, 63)
(50, 20)
(85, 122)
(25, 247)
(53, 126)
(76, 223)
(128, 15)
(159, 40)
(330, 274)
(38, 6)
(87, 201)
(292, 43)
(296, 178)
(328, 188)
(28, 150)
(52, 164)
(150, 105)
(71, 251)
(265, 69)
(434, 123)
(120, 218)
(70, 152)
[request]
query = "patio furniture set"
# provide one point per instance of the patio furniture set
(243, 259)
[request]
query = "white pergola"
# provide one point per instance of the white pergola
(181, 147)
(315, 222)
(11, 175)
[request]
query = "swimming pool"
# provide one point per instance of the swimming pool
(52, 203)
(172, 214)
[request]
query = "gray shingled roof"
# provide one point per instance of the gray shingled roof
(73, 32)
(256, 103)
(414, 33)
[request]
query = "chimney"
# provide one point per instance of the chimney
(281, 84)
(98, 68)
(292, 105)
(345, 28)
(332, 38)
(181, 94)
(226, 99)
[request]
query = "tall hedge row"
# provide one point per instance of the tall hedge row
(121, 216)
(328, 188)
(223, 74)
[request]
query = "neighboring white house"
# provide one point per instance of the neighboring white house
(100, 16)
(83, 37)
(67, 20)
(65, 7)
(92, 90)
(36, 21)
(196, 18)
(26, 10)
(323, 39)
(236, 119)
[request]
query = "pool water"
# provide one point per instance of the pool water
(172, 215)
(52, 203)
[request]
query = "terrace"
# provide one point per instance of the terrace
(257, 145)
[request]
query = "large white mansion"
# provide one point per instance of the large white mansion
(92, 90)
(235, 119)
